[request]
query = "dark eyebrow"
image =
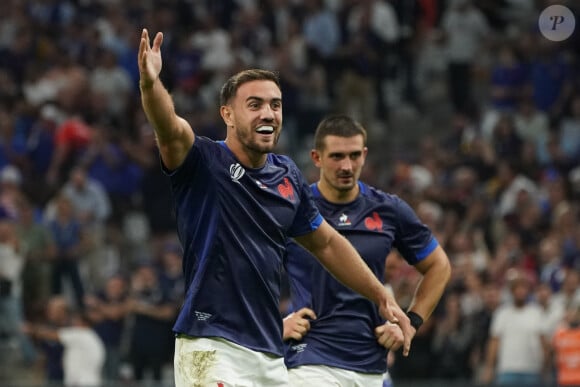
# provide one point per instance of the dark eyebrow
(259, 99)
(342, 154)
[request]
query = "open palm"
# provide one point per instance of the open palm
(149, 58)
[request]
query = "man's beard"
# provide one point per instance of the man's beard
(249, 142)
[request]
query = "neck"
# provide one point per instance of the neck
(247, 157)
(336, 196)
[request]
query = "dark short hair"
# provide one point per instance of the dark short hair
(339, 125)
(230, 88)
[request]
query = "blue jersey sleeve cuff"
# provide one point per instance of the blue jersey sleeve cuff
(316, 222)
(425, 251)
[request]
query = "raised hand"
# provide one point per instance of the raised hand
(149, 58)
(297, 324)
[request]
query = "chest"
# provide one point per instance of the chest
(370, 230)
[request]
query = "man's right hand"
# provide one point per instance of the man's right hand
(149, 59)
(390, 336)
(297, 324)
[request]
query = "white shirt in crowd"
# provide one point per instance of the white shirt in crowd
(83, 357)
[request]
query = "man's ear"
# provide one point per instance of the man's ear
(227, 115)
(315, 156)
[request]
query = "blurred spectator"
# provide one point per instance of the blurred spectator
(512, 184)
(151, 310)
(566, 344)
(491, 300)
(517, 352)
(452, 341)
(532, 125)
(371, 25)
(321, 31)
(39, 250)
(107, 310)
(83, 355)
(508, 78)
(550, 262)
(89, 199)
(570, 130)
(11, 309)
(465, 31)
(551, 313)
(72, 138)
(10, 191)
(506, 141)
(70, 240)
(56, 315)
(106, 161)
(156, 197)
(111, 83)
(173, 284)
(569, 294)
(550, 78)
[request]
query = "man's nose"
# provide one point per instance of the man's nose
(346, 164)
(267, 113)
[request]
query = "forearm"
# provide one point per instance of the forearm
(427, 296)
(436, 272)
(491, 353)
(159, 109)
(45, 333)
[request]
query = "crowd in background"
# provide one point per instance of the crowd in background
(86, 226)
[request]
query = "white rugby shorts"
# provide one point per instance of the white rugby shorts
(324, 376)
(215, 362)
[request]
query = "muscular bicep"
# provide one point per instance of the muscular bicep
(174, 147)
(437, 260)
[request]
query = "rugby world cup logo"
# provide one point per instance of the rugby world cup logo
(236, 172)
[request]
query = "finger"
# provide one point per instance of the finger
(296, 336)
(307, 312)
(395, 346)
(407, 344)
(389, 315)
(379, 330)
(305, 324)
(142, 48)
(157, 41)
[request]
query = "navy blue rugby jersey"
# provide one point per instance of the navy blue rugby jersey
(343, 334)
(233, 223)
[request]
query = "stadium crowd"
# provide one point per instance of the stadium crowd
(86, 227)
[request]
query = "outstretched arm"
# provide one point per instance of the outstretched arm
(174, 135)
(341, 259)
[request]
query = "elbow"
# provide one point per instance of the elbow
(446, 271)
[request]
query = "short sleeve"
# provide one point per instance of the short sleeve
(308, 217)
(413, 239)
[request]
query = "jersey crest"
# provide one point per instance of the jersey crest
(374, 222)
(285, 189)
